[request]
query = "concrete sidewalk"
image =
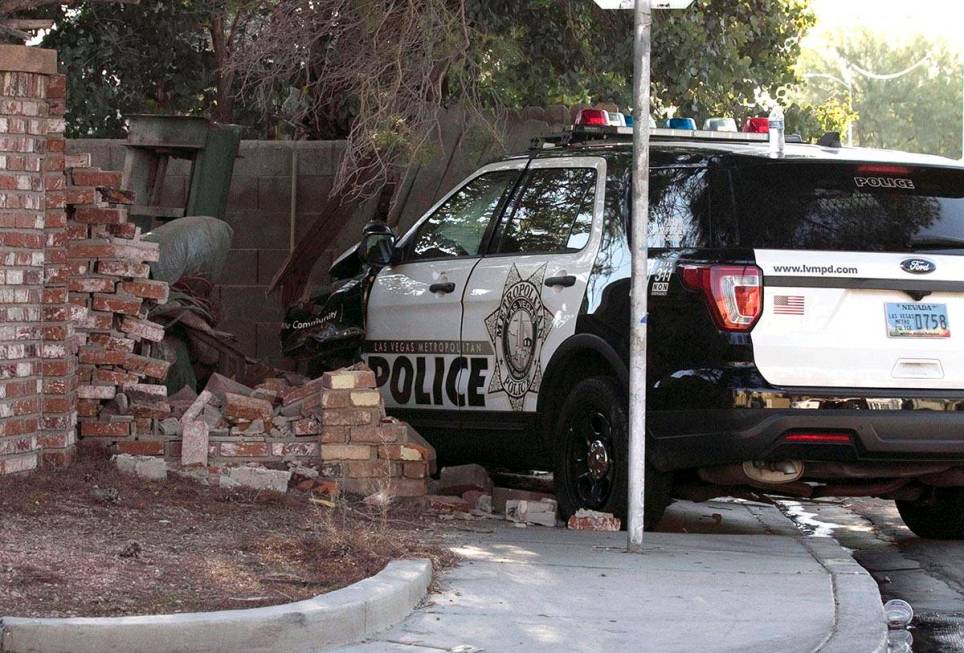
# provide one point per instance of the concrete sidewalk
(733, 577)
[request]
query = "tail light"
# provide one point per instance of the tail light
(733, 292)
(806, 437)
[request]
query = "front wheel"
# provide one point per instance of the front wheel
(591, 453)
(937, 515)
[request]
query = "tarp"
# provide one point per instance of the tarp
(195, 246)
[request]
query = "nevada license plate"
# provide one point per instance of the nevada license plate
(917, 321)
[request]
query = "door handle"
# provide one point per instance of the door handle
(444, 288)
(567, 281)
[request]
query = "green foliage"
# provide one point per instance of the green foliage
(920, 111)
(708, 60)
(123, 59)
(715, 58)
(811, 121)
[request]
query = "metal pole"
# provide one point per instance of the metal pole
(640, 281)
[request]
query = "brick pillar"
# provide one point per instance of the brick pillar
(37, 348)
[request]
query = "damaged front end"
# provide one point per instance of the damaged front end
(326, 332)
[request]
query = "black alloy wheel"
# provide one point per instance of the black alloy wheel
(590, 456)
(591, 452)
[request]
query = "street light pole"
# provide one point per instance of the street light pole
(640, 254)
(640, 278)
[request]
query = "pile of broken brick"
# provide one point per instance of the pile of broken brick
(326, 436)
(467, 492)
(109, 295)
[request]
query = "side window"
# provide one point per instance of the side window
(458, 226)
(679, 207)
(552, 214)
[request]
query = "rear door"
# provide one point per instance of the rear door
(863, 274)
(526, 293)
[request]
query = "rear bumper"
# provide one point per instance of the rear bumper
(884, 426)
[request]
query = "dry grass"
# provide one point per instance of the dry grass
(89, 541)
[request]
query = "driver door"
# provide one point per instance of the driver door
(414, 321)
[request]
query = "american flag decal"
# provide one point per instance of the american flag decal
(789, 304)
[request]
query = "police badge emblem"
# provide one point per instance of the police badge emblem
(517, 329)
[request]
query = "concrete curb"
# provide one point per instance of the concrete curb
(859, 624)
(341, 617)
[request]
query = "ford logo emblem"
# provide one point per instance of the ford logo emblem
(917, 266)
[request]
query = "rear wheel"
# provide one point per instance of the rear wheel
(938, 515)
(591, 453)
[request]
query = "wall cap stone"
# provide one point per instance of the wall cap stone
(23, 59)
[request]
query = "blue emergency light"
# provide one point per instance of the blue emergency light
(679, 123)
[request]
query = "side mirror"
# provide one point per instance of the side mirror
(377, 247)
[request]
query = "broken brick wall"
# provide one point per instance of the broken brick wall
(120, 388)
(37, 381)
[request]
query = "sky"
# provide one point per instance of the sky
(894, 18)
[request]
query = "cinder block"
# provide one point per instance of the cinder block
(260, 478)
(316, 158)
(243, 193)
(241, 268)
(247, 163)
(250, 304)
(313, 192)
(257, 229)
(274, 158)
(244, 331)
(269, 344)
(274, 193)
(269, 262)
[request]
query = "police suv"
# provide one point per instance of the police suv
(806, 329)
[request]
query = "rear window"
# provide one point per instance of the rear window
(849, 207)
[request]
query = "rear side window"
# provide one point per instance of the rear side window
(849, 207)
(553, 214)
(679, 207)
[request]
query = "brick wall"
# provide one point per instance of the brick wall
(37, 386)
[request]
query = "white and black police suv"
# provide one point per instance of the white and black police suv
(806, 330)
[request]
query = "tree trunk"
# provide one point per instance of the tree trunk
(223, 79)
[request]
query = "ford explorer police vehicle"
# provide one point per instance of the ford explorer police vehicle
(806, 330)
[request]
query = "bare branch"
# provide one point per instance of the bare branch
(382, 67)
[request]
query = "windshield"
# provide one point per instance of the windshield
(852, 207)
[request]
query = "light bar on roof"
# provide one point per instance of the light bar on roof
(692, 134)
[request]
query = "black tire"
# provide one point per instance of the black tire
(938, 515)
(591, 450)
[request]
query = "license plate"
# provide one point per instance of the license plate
(918, 321)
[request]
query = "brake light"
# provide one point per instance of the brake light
(593, 118)
(733, 292)
(817, 438)
(759, 125)
(877, 169)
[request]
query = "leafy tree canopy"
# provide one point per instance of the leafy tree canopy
(712, 59)
(153, 57)
(919, 111)
(715, 58)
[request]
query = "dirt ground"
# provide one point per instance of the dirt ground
(88, 541)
